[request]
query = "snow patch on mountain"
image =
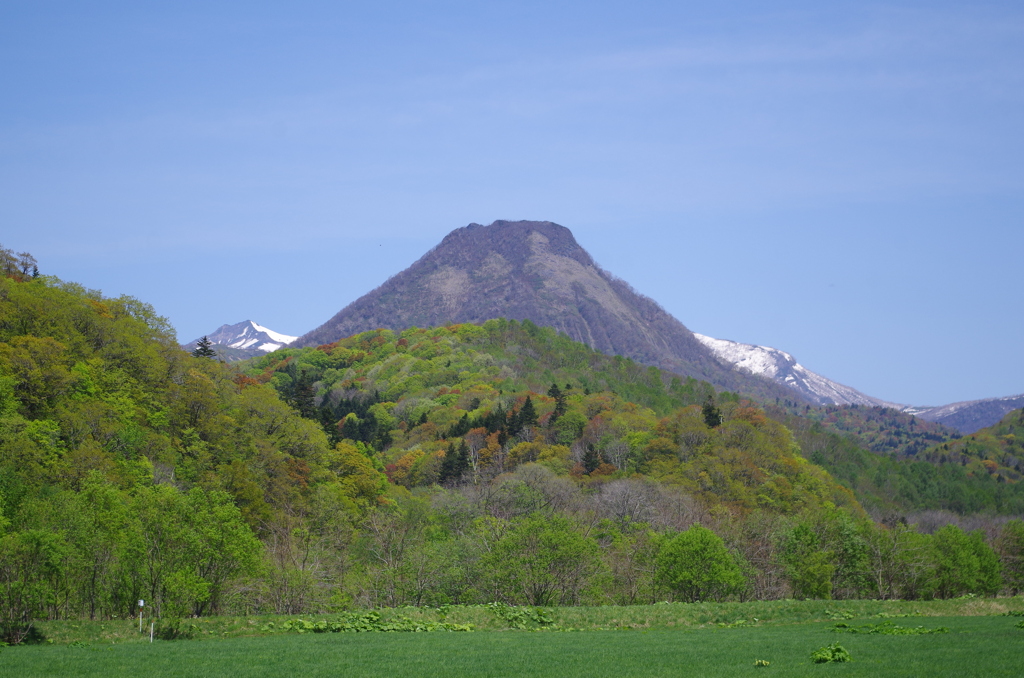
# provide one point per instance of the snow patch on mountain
(248, 334)
(245, 340)
(783, 368)
(281, 339)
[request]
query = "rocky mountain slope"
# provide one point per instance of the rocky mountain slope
(534, 270)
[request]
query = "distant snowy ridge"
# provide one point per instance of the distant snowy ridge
(248, 334)
(244, 340)
(783, 368)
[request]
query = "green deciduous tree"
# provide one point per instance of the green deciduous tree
(543, 560)
(808, 567)
(964, 563)
(695, 565)
(33, 564)
(1010, 546)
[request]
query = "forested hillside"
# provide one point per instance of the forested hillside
(891, 485)
(458, 464)
(511, 393)
(883, 430)
(129, 469)
(996, 451)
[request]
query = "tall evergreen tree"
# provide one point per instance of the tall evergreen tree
(447, 471)
(455, 463)
(591, 459)
(462, 460)
(556, 393)
(304, 396)
(712, 415)
(527, 415)
(204, 349)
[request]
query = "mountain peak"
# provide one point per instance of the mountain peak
(244, 340)
(532, 270)
(512, 240)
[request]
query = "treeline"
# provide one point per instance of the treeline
(458, 464)
(882, 430)
(129, 469)
(969, 475)
(513, 393)
(526, 538)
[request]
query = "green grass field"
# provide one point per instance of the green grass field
(980, 642)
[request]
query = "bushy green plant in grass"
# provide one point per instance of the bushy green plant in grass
(887, 628)
(369, 622)
(831, 653)
(175, 629)
(521, 617)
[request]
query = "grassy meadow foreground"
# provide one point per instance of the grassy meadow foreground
(981, 638)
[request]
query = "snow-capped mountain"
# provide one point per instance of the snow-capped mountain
(244, 340)
(783, 368)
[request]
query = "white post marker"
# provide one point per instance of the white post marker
(151, 631)
(141, 603)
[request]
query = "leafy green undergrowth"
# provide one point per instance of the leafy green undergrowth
(974, 646)
(501, 617)
(366, 622)
(831, 654)
(887, 628)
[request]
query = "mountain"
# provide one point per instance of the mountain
(244, 340)
(534, 270)
(781, 367)
(972, 415)
(784, 369)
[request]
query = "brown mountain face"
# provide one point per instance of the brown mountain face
(534, 270)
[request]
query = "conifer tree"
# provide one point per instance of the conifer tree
(455, 463)
(304, 397)
(204, 349)
(712, 415)
(462, 460)
(527, 415)
(556, 393)
(447, 471)
(591, 459)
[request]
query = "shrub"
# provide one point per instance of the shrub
(831, 653)
(174, 629)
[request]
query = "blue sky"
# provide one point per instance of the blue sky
(839, 180)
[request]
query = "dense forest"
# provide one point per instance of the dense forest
(881, 429)
(459, 464)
